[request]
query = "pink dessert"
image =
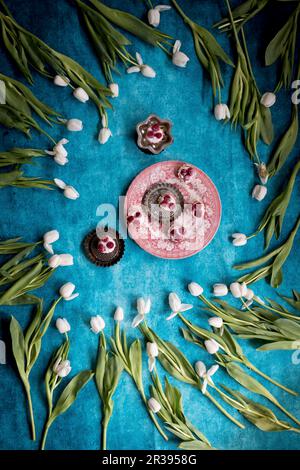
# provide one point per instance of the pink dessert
(155, 134)
(185, 173)
(106, 244)
(176, 234)
(167, 202)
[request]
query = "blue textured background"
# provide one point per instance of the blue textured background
(101, 174)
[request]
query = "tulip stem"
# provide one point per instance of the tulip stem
(220, 407)
(33, 435)
(274, 382)
(45, 433)
(104, 434)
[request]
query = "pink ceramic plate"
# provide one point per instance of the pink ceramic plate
(198, 231)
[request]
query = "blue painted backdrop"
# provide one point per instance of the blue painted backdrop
(101, 174)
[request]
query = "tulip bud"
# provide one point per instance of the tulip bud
(62, 368)
(195, 289)
(71, 193)
(66, 291)
(259, 192)
(153, 17)
(143, 305)
(104, 135)
(174, 302)
(97, 324)
(153, 405)
(221, 112)
(216, 322)
(49, 238)
(54, 261)
(59, 80)
(219, 290)
(238, 290)
(239, 239)
(62, 325)
(148, 71)
(119, 314)
(268, 99)
(152, 349)
(211, 346)
(263, 173)
(114, 88)
(81, 95)
(179, 58)
(200, 369)
(74, 125)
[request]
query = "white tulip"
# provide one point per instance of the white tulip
(211, 346)
(239, 239)
(63, 325)
(114, 88)
(152, 351)
(104, 135)
(262, 172)
(49, 238)
(154, 14)
(97, 324)
(60, 260)
(59, 80)
(176, 305)
(74, 125)
(119, 314)
(238, 290)
(259, 192)
(219, 290)
(54, 261)
(59, 147)
(153, 405)
(62, 368)
(249, 294)
(66, 291)
(105, 132)
(145, 70)
(268, 99)
(59, 152)
(221, 112)
(179, 58)
(195, 289)
(81, 95)
(200, 369)
(143, 307)
(69, 191)
(216, 322)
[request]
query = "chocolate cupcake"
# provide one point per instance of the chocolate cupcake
(154, 134)
(104, 247)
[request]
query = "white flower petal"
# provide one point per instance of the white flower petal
(133, 69)
(137, 320)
